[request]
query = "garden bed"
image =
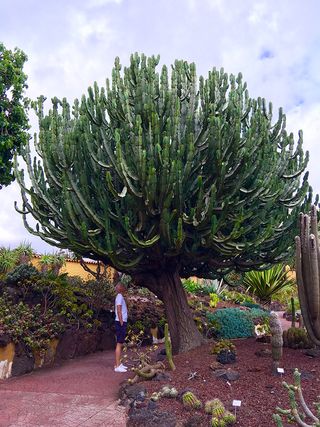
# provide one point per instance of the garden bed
(259, 391)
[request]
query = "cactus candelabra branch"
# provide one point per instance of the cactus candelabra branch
(295, 413)
(308, 273)
(163, 176)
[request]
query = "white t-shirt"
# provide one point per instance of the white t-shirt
(120, 301)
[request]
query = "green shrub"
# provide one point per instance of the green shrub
(191, 286)
(284, 296)
(20, 273)
(236, 323)
(8, 259)
(57, 294)
(212, 287)
(214, 299)
(28, 324)
(237, 297)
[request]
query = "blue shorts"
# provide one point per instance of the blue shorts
(121, 332)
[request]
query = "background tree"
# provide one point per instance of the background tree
(164, 178)
(13, 118)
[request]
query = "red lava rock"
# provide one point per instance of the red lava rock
(259, 391)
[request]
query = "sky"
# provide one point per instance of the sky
(72, 43)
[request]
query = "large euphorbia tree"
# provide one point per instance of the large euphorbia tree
(164, 177)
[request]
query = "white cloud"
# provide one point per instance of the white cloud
(276, 45)
(99, 3)
(308, 119)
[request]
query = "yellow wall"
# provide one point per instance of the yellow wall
(73, 268)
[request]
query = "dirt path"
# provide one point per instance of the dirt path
(80, 393)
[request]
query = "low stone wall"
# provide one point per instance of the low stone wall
(15, 360)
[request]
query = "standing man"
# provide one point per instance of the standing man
(121, 325)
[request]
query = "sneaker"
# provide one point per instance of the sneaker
(120, 369)
(123, 366)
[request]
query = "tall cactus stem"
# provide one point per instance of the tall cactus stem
(168, 347)
(308, 277)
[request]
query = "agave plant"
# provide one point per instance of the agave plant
(52, 262)
(24, 253)
(8, 259)
(265, 284)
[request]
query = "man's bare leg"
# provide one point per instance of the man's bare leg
(118, 354)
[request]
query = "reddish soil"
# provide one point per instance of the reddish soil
(259, 390)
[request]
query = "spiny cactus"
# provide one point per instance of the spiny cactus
(276, 340)
(168, 391)
(214, 407)
(229, 418)
(293, 313)
(162, 175)
(294, 411)
(220, 417)
(296, 338)
(308, 273)
(168, 347)
(190, 401)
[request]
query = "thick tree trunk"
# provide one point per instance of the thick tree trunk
(183, 331)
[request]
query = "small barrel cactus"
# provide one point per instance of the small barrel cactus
(168, 391)
(229, 418)
(220, 417)
(296, 338)
(155, 396)
(217, 422)
(190, 401)
(214, 407)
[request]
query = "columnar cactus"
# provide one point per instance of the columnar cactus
(276, 340)
(293, 313)
(168, 347)
(294, 412)
(308, 273)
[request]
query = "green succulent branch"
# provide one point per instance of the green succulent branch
(156, 170)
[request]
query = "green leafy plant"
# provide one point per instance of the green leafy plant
(21, 273)
(56, 293)
(214, 299)
(52, 262)
(13, 106)
(213, 286)
(191, 286)
(265, 284)
(237, 297)
(8, 260)
(28, 324)
(25, 252)
(284, 295)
